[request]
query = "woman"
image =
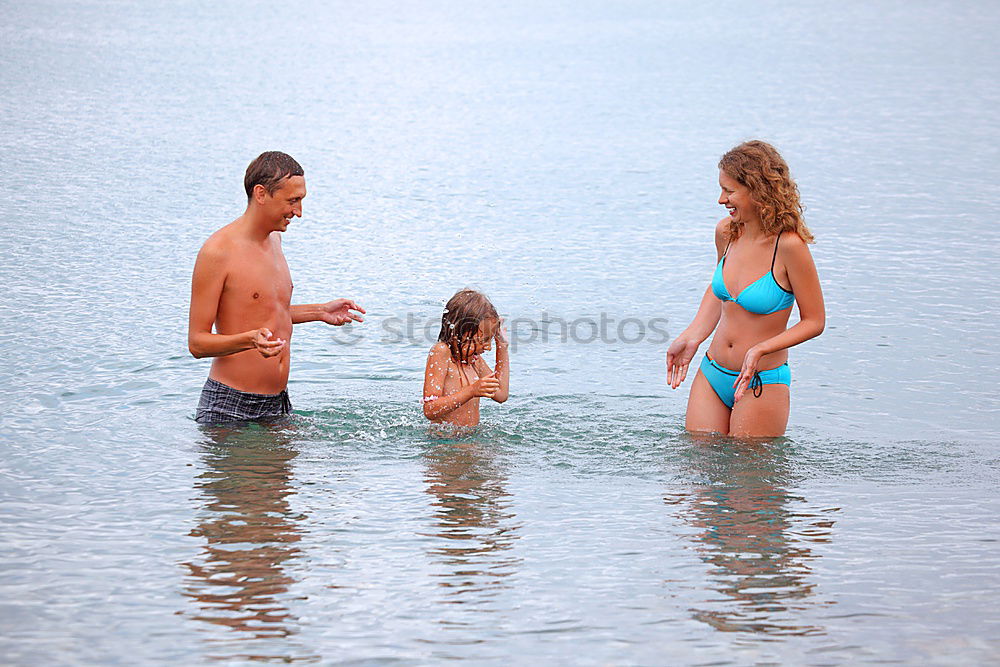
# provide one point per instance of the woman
(764, 265)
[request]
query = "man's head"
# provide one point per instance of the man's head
(268, 170)
(275, 182)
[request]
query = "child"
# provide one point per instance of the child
(456, 376)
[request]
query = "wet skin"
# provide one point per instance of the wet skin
(745, 341)
(242, 288)
(452, 388)
(257, 293)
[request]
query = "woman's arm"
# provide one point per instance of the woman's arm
(706, 319)
(804, 280)
(685, 346)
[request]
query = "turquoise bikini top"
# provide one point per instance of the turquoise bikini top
(762, 297)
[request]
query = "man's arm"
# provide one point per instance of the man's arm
(336, 312)
(206, 288)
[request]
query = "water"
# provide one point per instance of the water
(561, 159)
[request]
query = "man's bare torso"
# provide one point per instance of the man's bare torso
(257, 293)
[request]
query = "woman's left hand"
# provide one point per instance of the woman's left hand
(749, 369)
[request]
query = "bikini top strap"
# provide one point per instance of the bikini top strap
(775, 255)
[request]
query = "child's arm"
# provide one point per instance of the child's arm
(436, 405)
(502, 370)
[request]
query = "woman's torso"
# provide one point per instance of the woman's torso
(753, 276)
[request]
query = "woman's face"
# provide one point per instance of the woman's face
(736, 198)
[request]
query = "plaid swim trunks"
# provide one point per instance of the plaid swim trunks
(221, 403)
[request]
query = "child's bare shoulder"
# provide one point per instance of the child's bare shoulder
(439, 355)
(439, 349)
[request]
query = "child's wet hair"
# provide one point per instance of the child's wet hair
(461, 319)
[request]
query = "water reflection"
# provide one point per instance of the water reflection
(241, 579)
(755, 535)
(473, 520)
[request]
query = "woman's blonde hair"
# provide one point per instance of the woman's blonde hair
(461, 319)
(759, 166)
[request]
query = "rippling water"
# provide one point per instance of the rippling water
(562, 159)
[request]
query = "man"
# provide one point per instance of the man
(242, 286)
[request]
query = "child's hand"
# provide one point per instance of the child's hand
(486, 386)
(501, 336)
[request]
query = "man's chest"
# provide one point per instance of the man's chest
(261, 278)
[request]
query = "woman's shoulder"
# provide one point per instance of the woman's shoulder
(790, 240)
(723, 233)
(792, 247)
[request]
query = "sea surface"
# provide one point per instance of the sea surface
(561, 157)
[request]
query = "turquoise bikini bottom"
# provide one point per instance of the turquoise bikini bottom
(722, 379)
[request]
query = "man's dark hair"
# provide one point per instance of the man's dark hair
(270, 169)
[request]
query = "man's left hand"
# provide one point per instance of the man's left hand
(339, 312)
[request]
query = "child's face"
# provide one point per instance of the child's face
(483, 341)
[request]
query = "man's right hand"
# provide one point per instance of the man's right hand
(263, 343)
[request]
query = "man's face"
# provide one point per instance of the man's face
(285, 203)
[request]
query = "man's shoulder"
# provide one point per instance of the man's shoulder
(214, 249)
(220, 242)
(216, 253)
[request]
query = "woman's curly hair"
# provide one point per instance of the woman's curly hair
(759, 166)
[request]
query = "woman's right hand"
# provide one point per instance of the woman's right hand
(679, 356)
(486, 386)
